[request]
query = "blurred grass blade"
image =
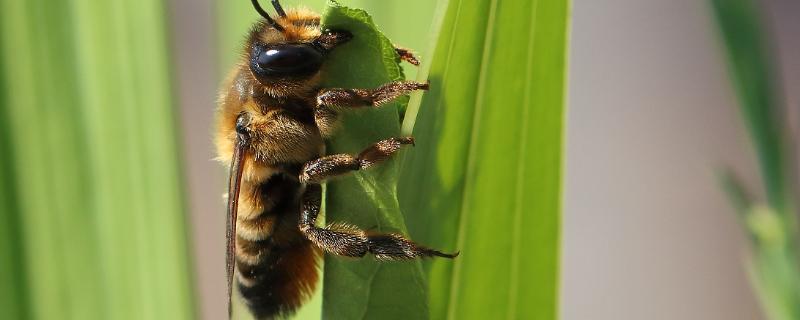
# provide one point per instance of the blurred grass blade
(50, 182)
(368, 198)
(13, 292)
(774, 269)
(752, 75)
(92, 136)
(485, 177)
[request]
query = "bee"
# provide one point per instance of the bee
(272, 123)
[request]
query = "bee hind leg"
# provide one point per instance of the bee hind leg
(316, 171)
(337, 97)
(350, 241)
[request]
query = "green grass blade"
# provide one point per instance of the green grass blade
(773, 227)
(752, 75)
(42, 110)
(94, 148)
(367, 198)
(485, 177)
(13, 290)
(134, 157)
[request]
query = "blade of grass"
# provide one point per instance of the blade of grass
(42, 117)
(13, 290)
(753, 78)
(131, 128)
(485, 177)
(774, 268)
(91, 128)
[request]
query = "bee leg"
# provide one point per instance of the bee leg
(366, 97)
(350, 241)
(318, 170)
(406, 55)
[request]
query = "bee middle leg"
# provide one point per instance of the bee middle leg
(347, 240)
(318, 170)
(337, 97)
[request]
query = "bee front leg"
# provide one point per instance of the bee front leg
(406, 55)
(350, 241)
(338, 97)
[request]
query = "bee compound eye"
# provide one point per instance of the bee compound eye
(285, 60)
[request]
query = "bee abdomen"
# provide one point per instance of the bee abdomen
(281, 282)
(276, 267)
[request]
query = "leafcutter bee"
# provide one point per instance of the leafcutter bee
(273, 121)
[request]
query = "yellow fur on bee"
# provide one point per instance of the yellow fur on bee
(300, 25)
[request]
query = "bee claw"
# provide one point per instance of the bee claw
(407, 56)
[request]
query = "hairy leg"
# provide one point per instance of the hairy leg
(347, 240)
(318, 170)
(337, 97)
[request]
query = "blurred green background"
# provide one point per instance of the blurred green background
(92, 181)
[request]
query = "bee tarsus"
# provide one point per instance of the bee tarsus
(350, 241)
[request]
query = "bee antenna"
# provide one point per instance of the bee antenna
(264, 14)
(278, 8)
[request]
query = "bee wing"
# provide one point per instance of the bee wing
(234, 183)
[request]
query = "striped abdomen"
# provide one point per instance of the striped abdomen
(276, 266)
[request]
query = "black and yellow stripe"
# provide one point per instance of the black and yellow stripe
(276, 266)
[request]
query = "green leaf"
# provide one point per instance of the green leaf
(485, 177)
(93, 145)
(364, 288)
(406, 22)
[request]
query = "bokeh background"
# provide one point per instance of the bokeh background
(646, 234)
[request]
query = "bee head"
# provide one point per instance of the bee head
(289, 51)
